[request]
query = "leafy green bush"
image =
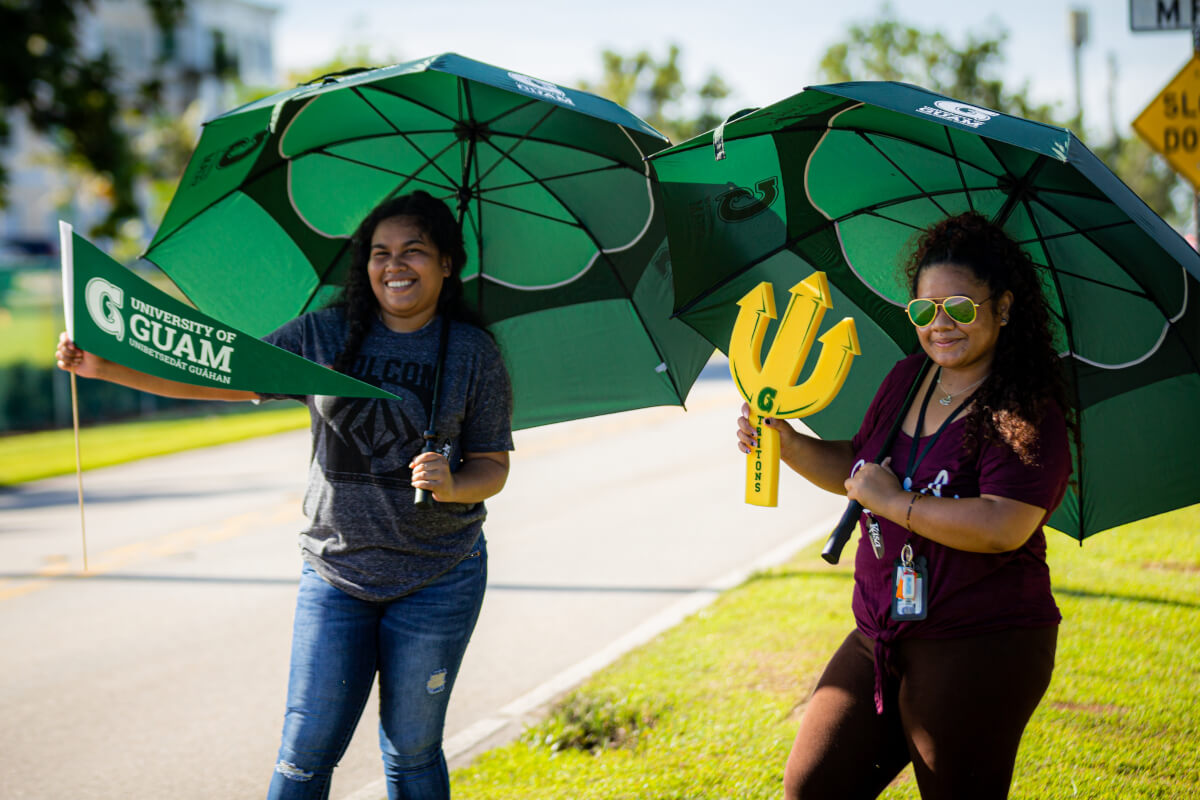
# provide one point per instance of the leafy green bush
(594, 722)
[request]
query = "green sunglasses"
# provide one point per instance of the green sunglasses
(922, 311)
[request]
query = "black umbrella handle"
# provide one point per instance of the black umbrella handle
(841, 534)
(423, 498)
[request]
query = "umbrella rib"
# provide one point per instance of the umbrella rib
(406, 175)
(871, 209)
(526, 136)
(962, 178)
(574, 222)
(466, 110)
(392, 93)
(1020, 195)
(1084, 232)
(1098, 282)
(793, 240)
(1020, 192)
(407, 179)
(428, 161)
(600, 252)
(828, 223)
(567, 146)
(1066, 317)
(535, 181)
(505, 155)
(285, 162)
(894, 201)
(923, 193)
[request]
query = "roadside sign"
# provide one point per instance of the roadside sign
(1171, 123)
(1162, 15)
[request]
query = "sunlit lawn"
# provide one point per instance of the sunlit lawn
(31, 456)
(709, 709)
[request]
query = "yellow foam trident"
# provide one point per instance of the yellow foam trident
(771, 388)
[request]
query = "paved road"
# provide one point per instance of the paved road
(161, 671)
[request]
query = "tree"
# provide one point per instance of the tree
(345, 58)
(68, 96)
(654, 90)
(888, 49)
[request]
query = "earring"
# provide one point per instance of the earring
(1004, 320)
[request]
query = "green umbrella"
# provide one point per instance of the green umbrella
(567, 257)
(839, 178)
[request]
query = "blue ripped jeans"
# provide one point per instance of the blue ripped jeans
(415, 643)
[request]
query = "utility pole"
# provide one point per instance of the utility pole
(1078, 23)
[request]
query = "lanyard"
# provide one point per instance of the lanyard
(915, 460)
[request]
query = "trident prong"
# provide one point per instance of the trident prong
(797, 330)
(750, 328)
(839, 346)
(770, 388)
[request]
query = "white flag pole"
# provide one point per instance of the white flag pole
(68, 287)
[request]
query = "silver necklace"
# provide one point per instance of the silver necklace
(951, 395)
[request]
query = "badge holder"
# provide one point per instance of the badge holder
(910, 588)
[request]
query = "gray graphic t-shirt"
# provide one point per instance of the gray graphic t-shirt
(365, 535)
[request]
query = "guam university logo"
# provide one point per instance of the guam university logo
(963, 114)
(540, 88)
(183, 343)
(104, 302)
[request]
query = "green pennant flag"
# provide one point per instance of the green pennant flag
(125, 319)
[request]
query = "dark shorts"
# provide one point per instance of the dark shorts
(954, 708)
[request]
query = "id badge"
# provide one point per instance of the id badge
(910, 587)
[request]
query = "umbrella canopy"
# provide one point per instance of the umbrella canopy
(840, 178)
(567, 257)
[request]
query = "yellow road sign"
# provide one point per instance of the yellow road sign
(1171, 123)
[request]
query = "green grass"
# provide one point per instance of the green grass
(709, 709)
(28, 335)
(32, 456)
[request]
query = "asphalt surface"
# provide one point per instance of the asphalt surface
(160, 672)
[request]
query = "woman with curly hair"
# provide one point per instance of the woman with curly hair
(386, 588)
(956, 626)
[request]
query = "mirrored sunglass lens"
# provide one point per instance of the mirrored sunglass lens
(921, 312)
(960, 309)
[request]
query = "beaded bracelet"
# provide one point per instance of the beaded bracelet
(908, 517)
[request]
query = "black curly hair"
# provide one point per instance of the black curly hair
(357, 299)
(1027, 373)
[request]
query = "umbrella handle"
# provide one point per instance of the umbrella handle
(423, 499)
(841, 534)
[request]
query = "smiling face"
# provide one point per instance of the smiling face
(406, 270)
(966, 350)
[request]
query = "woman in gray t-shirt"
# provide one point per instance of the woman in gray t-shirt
(387, 587)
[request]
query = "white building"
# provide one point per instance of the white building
(236, 33)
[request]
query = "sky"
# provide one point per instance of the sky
(765, 50)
